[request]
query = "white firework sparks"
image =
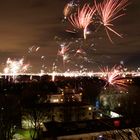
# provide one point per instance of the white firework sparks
(15, 67)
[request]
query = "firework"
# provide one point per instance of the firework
(68, 8)
(82, 18)
(80, 51)
(37, 49)
(114, 77)
(33, 49)
(42, 57)
(15, 67)
(65, 57)
(109, 10)
(63, 52)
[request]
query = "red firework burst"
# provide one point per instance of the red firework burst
(113, 77)
(109, 10)
(82, 18)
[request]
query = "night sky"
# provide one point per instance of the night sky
(27, 23)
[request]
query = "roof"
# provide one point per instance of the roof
(80, 127)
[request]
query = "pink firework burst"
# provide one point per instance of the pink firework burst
(82, 18)
(113, 77)
(63, 50)
(109, 10)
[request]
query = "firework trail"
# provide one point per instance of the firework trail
(37, 49)
(80, 51)
(108, 11)
(82, 18)
(33, 49)
(113, 77)
(15, 67)
(63, 52)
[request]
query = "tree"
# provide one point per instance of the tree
(9, 114)
(36, 115)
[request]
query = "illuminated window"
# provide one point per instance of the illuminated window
(55, 100)
(117, 123)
